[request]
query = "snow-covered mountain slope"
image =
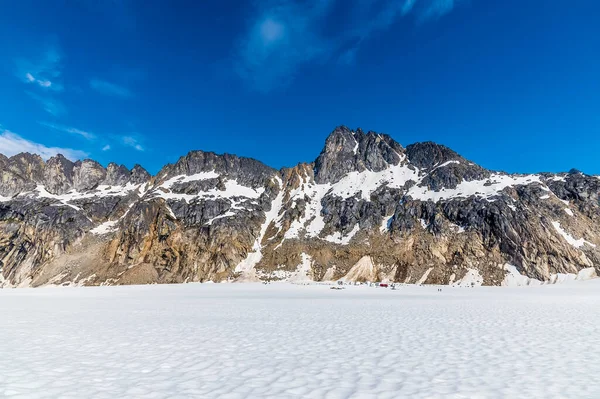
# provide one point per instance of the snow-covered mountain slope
(367, 208)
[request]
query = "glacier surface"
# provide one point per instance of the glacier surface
(300, 341)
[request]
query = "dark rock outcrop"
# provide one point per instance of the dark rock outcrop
(367, 208)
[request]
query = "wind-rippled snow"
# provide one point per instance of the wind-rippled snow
(295, 341)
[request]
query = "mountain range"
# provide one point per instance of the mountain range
(367, 209)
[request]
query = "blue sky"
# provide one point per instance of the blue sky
(512, 85)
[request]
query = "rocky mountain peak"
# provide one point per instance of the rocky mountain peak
(139, 175)
(348, 151)
(87, 175)
(444, 168)
(116, 175)
(26, 165)
(427, 155)
(20, 172)
(247, 171)
(58, 174)
(423, 214)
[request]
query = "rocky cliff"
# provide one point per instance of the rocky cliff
(366, 209)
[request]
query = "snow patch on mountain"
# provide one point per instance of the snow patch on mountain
(577, 243)
(73, 195)
(339, 238)
(558, 178)
(232, 190)
(189, 178)
(302, 274)
(584, 274)
(515, 279)
(363, 183)
(487, 188)
(105, 228)
(311, 222)
(366, 182)
(386, 222)
(444, 164)
(247, 265)
(457, 228)
(471, 279)
(221, 216)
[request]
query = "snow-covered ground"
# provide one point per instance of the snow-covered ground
(288, 341)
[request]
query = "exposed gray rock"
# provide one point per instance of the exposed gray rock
(429, 156)
(348, 151)
(87, 175)
(117, 175)
(139, 175)
(58, 175)
(223, 217)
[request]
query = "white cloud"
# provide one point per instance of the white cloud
(44, 71)
(71, 130)
(106, 147)
(285, 35)
(42, 83)
(12, 144)
(132, 142)
(110, 89)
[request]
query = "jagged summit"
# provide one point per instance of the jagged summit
(58, 175)
(348, 151)
(248, 169)
(366, 208)
(427, 155)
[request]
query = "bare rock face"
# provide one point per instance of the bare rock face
(138, 175)
(117, 175)
(444, 167)
(366, 209)
(87, 174)
(20, 173)
(58, 175)
(354, 151)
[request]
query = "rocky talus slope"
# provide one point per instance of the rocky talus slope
(367, 209)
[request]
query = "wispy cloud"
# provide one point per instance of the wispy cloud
(67, 129)
(12, 144)
(50, 104)
(132, 142)
(285, 35)
(42, 74)
(43, 71)
(106, 147)
(437, 9)
(109, 88)
(42, 83)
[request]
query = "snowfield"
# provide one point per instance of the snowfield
(297, 341)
